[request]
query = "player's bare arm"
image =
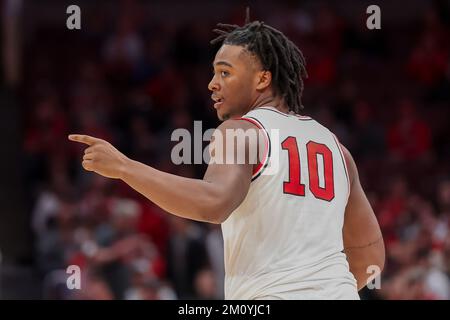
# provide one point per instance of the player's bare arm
(212, 199)
(363, 241)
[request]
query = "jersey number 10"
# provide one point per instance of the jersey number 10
(294, 185)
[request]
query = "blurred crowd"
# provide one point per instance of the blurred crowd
(132, 81)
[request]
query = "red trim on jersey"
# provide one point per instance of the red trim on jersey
(345, 163)
(266, 151)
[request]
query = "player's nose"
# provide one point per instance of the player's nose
(213, 85)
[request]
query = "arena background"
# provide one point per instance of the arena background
(137, 70)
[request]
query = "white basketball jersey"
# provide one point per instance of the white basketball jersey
(285, 239)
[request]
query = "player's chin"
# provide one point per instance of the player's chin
(223, 115)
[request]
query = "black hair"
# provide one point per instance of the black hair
(276, 52)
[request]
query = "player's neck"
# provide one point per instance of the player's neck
(273, 102)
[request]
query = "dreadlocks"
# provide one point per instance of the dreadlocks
(277, 54)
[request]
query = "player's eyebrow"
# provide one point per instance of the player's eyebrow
(223, 63)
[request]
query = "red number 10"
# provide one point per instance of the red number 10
(294, 185)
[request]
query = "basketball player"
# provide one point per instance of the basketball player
(304, 232)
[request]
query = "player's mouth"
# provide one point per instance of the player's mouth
(218, 101)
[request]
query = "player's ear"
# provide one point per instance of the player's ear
(264, 79)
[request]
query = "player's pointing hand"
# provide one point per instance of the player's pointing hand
(101, 156)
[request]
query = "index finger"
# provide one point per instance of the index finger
(84, 139)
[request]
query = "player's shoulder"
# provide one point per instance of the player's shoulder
(241, 129)
(243, 123)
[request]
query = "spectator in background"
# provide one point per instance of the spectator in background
(392, 208)
(118, 243)
(124, 50)
(367, 138)
(429, 59)
(94, 288)
(409, 138)
(205, 285)
(443, 198)
(186, 256)
(214, 247)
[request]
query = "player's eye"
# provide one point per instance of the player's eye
(224, 73)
